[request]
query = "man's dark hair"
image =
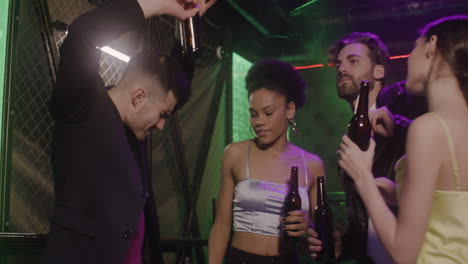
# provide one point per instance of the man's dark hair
(166, 70)
(277, 76)
(378, 52)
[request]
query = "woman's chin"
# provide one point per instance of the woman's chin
(263, 142)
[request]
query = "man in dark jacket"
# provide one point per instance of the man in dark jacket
(105, 210)
(357, 57)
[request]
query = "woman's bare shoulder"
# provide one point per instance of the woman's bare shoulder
(236, 149)
(313, 161)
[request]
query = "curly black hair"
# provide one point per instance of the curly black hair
(277, 76)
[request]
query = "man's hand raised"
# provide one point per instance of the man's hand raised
(182, 9)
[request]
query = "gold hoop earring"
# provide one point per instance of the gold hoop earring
(294, 126)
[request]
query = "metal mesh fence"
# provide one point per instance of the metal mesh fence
(111, 69)
(162, 35)
(31, 198)
(67, 10)
(31, 175)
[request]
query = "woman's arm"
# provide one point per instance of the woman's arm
(402, 236)
(220, 231)
(387, 189)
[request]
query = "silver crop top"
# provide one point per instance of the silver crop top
(257, 204)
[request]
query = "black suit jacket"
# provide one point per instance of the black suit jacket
(405, 108)
(101, 170)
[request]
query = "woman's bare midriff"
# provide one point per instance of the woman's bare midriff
(256, 243)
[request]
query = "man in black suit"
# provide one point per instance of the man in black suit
(105, 210)
(357, 57)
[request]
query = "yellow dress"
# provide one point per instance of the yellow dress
(446, 239)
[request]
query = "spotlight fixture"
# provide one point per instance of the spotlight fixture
(115, 53)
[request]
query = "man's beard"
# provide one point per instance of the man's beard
(349, 91)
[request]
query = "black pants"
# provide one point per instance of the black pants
(237, 256)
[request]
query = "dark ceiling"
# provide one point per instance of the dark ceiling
(272, 28)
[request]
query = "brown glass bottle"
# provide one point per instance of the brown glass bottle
(359, 131)
(359, 128)
(189, 30)
(323, 219)
(292, 202)
(189, 47)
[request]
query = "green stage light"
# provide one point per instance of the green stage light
(298, 10)
(4, 8)
(240, 104)
(4, 19)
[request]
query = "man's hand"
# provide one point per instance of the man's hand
(382, 121)
(315, 245)
(205, 4)
(356, 163)
(182, 9)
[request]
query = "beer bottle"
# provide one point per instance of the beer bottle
(189, 47)
(189, 30)
(359, 128)
(359, 131)
(292, 202)
(323, 220)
